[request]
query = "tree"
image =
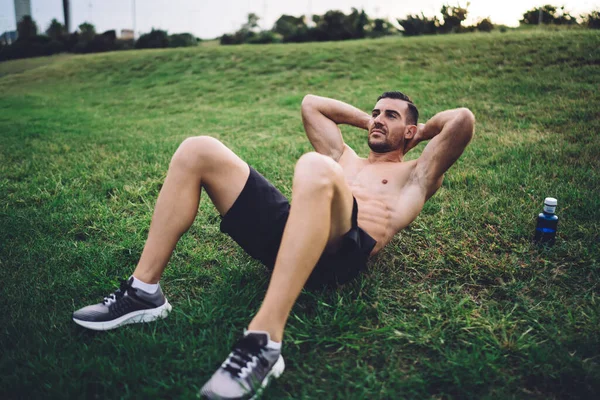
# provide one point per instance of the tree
(565, 18)
(251, 24)
(248, 33)
(381, 27)
(453, 18)
(56, 30)
(592, 20)
(27, 28)
(414, 25)
(333, 25)
(87, 32)
(292, 29)
(549, 15)
(532, 17)
(356, 22)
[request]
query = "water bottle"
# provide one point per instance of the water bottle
(547, 223)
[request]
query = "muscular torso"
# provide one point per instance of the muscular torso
(388, 199)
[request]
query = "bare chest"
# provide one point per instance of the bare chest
(378, 181)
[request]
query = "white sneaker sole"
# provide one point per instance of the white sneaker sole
(275, 372)
(131, 318)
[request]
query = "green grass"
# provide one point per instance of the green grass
(459, 305)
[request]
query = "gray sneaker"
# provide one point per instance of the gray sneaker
(127, 305)
(247, 370)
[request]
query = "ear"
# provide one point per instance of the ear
(411, 131)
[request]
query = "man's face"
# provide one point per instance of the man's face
(388, 128)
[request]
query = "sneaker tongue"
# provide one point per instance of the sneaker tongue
(261, 337)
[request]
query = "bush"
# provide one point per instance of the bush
(124, 44)
(71, 41)
(104, 42)
(485, 25)
(237, 38)
(182, 40)
(55, 47)
(88, 43)
(227, 39)
(264, 37)
(156, 39)
(36, 46)
(414, 25)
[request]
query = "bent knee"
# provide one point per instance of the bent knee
(317, 171)
(196, 151)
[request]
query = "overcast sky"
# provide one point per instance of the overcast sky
(209, 19)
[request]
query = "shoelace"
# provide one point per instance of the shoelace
(119, 293)
(242, 355)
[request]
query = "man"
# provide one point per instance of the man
(344, 209)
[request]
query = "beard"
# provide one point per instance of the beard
(383, 147)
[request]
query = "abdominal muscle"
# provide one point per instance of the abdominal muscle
(375, 216)
(385, 206)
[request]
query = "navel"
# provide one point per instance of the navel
(384, 181)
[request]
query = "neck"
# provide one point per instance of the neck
(391, 156)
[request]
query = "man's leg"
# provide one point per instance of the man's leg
(320, 214)
(200, 162)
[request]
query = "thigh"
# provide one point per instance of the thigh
(224, 177)
(342, 205)
(316, 172)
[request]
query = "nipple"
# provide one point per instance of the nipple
(384, 181)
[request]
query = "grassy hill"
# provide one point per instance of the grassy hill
(459, 305)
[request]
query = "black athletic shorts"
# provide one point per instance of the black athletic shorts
(256, 222)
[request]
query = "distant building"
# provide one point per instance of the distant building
(22, 8)
(8, 37)
(127, 34)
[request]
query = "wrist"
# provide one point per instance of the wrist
(426, 132)
(366, 118)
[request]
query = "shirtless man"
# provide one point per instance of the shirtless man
(345, 208)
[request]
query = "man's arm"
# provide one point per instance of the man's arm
(321, 117)
(449, 133)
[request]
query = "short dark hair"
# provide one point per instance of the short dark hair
(413, 113)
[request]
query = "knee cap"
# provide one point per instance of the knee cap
(195, 149)
(315, 169)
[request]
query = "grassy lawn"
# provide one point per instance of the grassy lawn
(459, 305)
